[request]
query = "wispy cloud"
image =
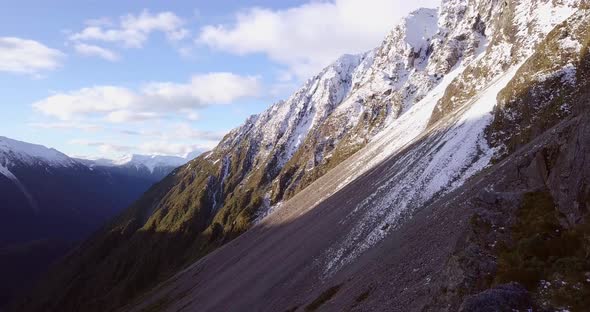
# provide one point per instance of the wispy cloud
(26, 56)
(133, 31)
(93, 50)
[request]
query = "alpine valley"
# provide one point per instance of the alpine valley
(50, 202)
(444, 170)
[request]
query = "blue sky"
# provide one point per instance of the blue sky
(108, 78)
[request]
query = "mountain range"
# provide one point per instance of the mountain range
(444, 170)
(152, 167)
(51, 201)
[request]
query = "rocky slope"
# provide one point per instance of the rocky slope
(513, 236)
(403, 127)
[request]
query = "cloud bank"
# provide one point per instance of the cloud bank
(153, 100)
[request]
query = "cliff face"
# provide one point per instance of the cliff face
(352, 157)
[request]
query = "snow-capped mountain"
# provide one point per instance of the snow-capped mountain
(153, 167)
(49, 201)
(397, 178)
(42, 183)
(17, 151)
(150, 161)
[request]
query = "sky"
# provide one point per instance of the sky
(103, 79)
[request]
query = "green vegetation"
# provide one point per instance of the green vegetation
(530, 105)
(323, 298)
(551, 261)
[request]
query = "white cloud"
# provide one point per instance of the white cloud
(133, 30)
(27, 56)
(212, 88)
(102, 99)
(105, 149)
(117, 104)
(115, 150)
(169, 148)
(309, 37)
(93, 50)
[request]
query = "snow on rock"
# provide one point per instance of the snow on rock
(16, 151)
(281, 129)
(5, 172)
(536, 18)
(567, 74)
(454, 148)
(419, 27)
(445, 157)
(570, 44)
(32, 203)
(403, 130)
(383, 85)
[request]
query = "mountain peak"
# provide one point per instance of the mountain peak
(420, 26)
(30, 153)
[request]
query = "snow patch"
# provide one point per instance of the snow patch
(536, 20)
(443, 159)
(5, 172)
(570, 44)
(33, 153)
(567, 74)
(420, 26)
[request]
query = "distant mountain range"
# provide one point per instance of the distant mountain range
(50, 201)
(154, 167)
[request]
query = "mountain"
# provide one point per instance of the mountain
(152, 167)
(444, 170)
(50, 201)
(43, 187)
